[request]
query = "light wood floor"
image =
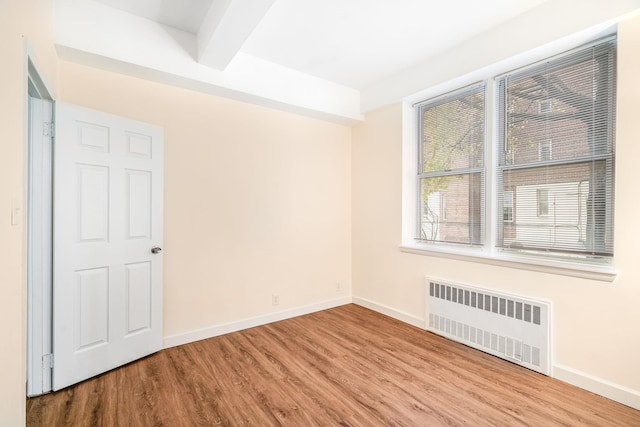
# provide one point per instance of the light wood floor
(346, 366)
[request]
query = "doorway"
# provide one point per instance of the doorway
(94, 292)
(39, 166)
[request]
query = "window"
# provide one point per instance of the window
(565, 197)
(451, 167)
(507, 206)
(542, 197)
(552, 168)
(544, 150)
(545, 106)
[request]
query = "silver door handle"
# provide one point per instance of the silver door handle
(156, 250)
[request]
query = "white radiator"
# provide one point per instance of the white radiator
(512, 327)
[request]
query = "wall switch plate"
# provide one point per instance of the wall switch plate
(16, 212)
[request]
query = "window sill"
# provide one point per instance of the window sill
(601, 272)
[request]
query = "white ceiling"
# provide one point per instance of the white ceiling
(186, 15)
(329, 59)
(350, 42)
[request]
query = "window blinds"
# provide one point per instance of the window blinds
(451, 167)
(555, 166)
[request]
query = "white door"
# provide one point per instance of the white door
(107, 279)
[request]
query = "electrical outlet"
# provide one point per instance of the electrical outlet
(338, 286)
(275, 299)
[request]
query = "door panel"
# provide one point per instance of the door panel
(93, 202)
(139, 301)
(107, 217)
(139, 207)
(92, 294)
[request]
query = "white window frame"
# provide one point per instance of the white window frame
(601, 270)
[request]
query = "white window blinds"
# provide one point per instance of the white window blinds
(451, 168)
(555, 166)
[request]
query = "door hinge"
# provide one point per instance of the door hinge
(48, 129)
(47, 360)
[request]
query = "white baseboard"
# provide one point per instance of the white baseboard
(391, 312)
(225, 328)
(596, 385)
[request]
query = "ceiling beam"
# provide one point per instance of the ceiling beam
(225, 28)
(144, 49)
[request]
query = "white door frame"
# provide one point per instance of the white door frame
(39, 190)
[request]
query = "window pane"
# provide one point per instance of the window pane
(459, 220)
(555, 207)
(453, 133)
(568, 101)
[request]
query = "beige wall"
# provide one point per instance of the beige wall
(23, 22)
(596, 325)
(257, 201)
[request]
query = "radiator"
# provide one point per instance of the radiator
(512, 327)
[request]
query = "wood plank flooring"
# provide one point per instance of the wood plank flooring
(347, 366)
